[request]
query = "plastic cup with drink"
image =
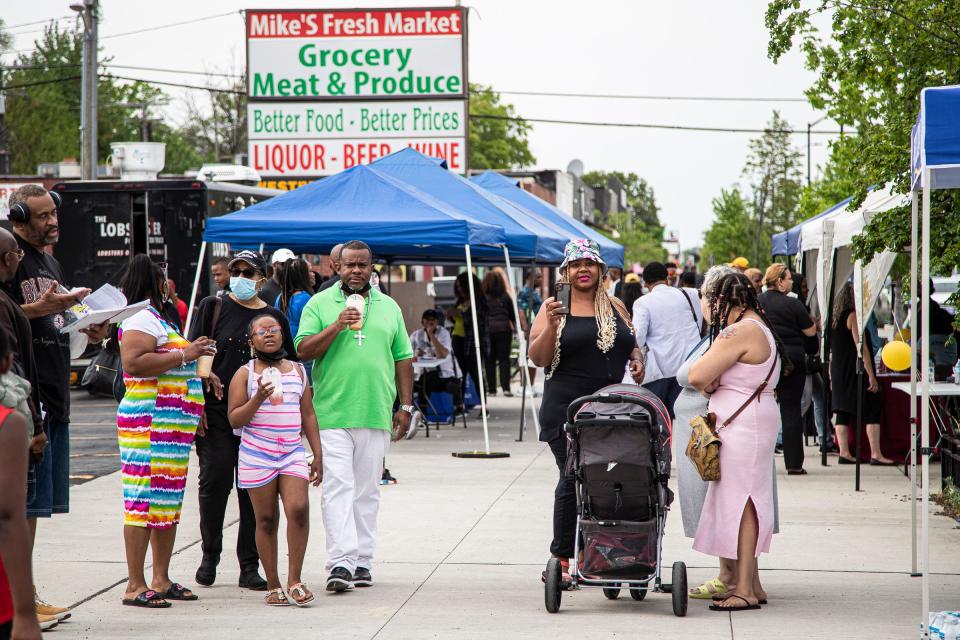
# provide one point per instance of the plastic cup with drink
(356, 301)
(272, 375)
(205, 362)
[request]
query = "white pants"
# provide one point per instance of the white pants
(352, 467)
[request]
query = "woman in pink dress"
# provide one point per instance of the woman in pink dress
(740, 370)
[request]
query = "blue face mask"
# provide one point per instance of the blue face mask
(243, 288)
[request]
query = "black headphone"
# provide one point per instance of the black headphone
(20, 212)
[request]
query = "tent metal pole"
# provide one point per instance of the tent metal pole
(476, 349)
(522, 343)
(913, 383)
(196, 285)
(858, 437)
(925, 401)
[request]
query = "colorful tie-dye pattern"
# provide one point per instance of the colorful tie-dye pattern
(156, 424)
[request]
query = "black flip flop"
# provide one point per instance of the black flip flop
(179, 592)
(149, 599)
(720, 597)
(877, 463)
(843, 460)
(796, 472)
(747, 606)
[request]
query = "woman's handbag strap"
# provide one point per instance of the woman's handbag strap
(756, 394)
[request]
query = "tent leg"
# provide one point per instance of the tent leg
(925, 400)
(859, 421)
(483, 393)
(913, 385)
(522, 347)
(196, 285)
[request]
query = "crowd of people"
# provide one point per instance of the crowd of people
(274, 358)
(742, 346)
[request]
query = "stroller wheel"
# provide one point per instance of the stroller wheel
(611, 593)
(679, 590)
(551, 587)
(638, 594)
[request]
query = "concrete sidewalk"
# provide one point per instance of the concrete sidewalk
(462, 544)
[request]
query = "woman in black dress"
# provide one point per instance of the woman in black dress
(792, 324)
(582, 351)
(844, 337)
(500, 331)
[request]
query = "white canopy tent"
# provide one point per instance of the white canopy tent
(934, 164)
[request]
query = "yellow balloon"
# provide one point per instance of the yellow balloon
(896, 355)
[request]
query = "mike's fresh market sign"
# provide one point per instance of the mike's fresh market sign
(320, 138)
(374, 53)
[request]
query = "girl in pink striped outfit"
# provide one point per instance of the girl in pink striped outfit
(272, 459)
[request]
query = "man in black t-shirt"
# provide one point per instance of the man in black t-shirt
(37, 287)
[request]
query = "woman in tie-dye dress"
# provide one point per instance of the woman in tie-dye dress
(156, 423)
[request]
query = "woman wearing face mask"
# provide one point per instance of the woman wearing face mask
(226, 319)
(272, 461)
(583, 350)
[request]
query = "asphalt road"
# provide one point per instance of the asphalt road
(93, 437)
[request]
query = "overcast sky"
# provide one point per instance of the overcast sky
(676, 48)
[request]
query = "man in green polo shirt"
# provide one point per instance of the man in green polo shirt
(357, 375)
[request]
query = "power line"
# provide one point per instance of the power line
(37, 83)
(616, 96)
(30, 24)
(195, 73)
(637, 125)
(174, 84)
(167, 26)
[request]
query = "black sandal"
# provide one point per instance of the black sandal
(720, 597)
(747, 606)
(149, 599)
(796, 472)
(179, 592)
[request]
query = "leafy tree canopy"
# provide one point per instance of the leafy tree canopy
(870, 69)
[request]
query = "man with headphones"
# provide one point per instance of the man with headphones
(38, 288)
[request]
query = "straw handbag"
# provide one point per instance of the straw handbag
(703, 449)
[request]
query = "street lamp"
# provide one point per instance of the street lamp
(810, 125)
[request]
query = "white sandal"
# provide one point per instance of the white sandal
(281, 598)
(298, 595)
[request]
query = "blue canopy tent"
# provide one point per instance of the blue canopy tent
(787, 243)
(934, 164)
(528, 236)
(510, 189)
(397, 220)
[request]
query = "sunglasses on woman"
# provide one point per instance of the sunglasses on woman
(245, 273)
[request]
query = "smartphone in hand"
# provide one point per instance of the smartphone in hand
(563, 296)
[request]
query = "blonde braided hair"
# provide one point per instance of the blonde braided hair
(603, 311)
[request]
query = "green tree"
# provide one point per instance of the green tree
(43, 103)
(498, 141)
(730, 234)
(870, 69)
(773, 169)
(640, 198)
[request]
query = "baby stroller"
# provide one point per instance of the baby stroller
(619, 456)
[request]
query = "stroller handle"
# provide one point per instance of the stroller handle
(609, 398)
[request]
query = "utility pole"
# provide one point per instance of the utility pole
(810, 126)
(88, 10)
(6, 165)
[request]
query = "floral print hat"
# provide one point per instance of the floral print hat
(582, 249)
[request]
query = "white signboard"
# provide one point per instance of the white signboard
(378, 120)
(278, 157)
(343, 54)
(6, 190)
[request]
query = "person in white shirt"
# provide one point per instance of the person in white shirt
(433, 342)
(667, 322)
(614, 274)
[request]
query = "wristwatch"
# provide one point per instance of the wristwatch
(409, 408)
